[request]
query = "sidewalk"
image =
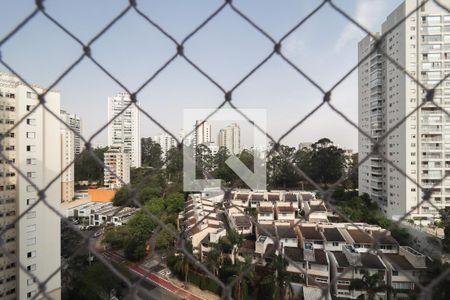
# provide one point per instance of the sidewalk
(165, 284)
(154, 278)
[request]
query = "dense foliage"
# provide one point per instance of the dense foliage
(151, 153)
(87, 166)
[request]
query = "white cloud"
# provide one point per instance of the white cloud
(368, 14)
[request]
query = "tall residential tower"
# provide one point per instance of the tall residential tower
(230, 138)
(30, 147)
(74, 122)
(124, 129)
(420, 146)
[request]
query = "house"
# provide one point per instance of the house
(241, 200)
(246, 249)
(273, 197)
(292, 199)
(311, 264)
(255, 199)
(210, 239)
(371, 237)
(315, 211)
(285, 213)
(265, 212)
(309, 233)
(349, 264)
(405, 268)
(267, 234)
(333, 238)
(241, 223)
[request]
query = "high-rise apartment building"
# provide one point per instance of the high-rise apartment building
(166, 142)
(30, 147)
(202, 133)
(124, 129)
(67, 157)
(74, 122)
(420, 146)
(117, 169)
(230, 138)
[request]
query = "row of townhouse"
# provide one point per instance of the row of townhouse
(280, 206)
(199, 223)
(334, 254)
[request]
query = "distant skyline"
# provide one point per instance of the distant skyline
(325, 48)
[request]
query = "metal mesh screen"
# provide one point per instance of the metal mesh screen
(178, 53)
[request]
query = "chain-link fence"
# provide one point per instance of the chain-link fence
(134, 286)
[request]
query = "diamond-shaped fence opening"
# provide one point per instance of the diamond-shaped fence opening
(276, 260)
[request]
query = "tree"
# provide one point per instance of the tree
(164, 239)
(351, 182)
(174, 164)
(151, 153)
(243, 285)
(281, 277)
(371, 284)
(203, 162)
(327, 162)
(116, 236)
(445, 223)
(280, 171)
(222, 171)
(123, 196)
(87, 167)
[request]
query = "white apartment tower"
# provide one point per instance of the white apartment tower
(166, 141)
(30, 147)
(74, 122)
(67, 157)
(420, 146)
(230, 138)
(202, 133)
(124, 129)
(117, 169)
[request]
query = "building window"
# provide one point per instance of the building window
(31, 148)
(31, 281)
(31, 174)
(31, 267)
(31, 241)
(31, 122)
(31, 228)
(31, 135)
(31, 161)
(31, 214)
(335, 244)
(31, 294)
(31, 254)
(394, 273)
(30, 201)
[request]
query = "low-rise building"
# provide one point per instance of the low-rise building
(310, 264)
(315, 211)
(405, 268)
(370, 237)
(351, 264)
(265, 212)
(266, 236)
(209, 240)
(310, 234)
(333, 238)
(285, 212)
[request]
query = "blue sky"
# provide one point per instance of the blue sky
(325, 48)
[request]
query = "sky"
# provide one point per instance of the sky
(227, 48)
